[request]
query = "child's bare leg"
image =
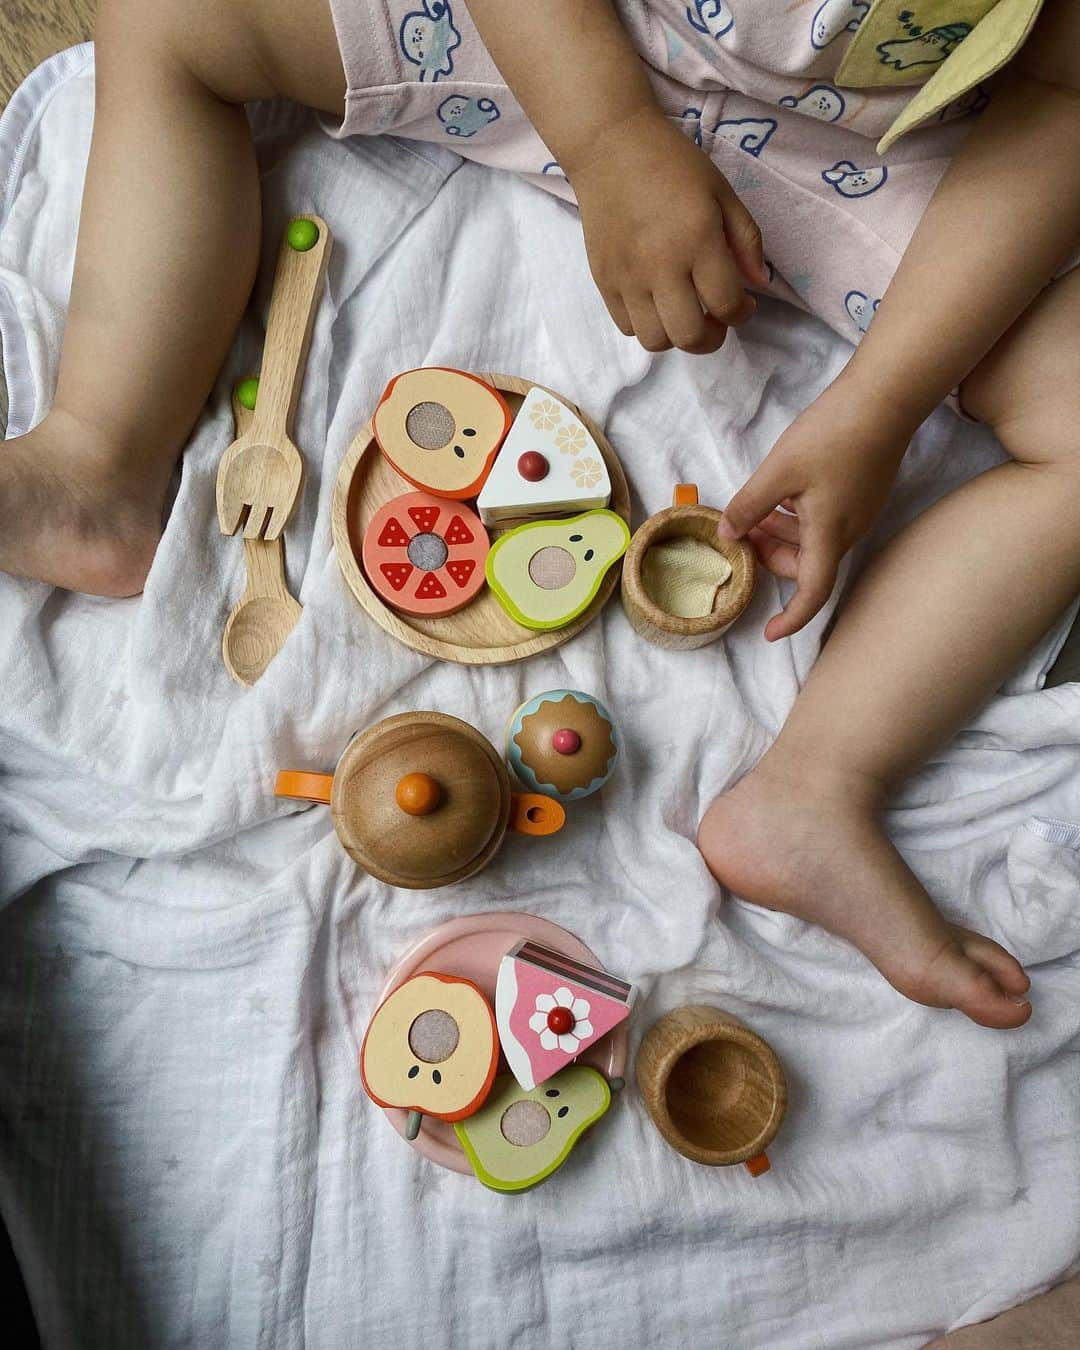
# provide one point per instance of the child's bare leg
(933, 627)
(168, 243)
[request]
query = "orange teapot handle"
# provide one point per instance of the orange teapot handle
(305, 787)
(533, 813)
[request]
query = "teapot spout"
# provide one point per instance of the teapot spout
(533, 813)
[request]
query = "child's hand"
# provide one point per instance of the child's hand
(670, 245)
(833, 469)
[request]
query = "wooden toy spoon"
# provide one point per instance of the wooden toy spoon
(261, 473)
(266, 613)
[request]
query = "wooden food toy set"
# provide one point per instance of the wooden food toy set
(423, 799)
(432, 1047)
(507, 543)
(261, 474)
(480, 519)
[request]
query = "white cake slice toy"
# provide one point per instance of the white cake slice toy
(549, 1009)
(548, 465)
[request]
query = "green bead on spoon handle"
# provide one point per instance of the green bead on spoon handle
(298, 284)
(262, 473)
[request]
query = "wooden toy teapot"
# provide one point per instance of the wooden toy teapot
(422, 800)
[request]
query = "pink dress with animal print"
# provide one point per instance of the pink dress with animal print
(752, 82)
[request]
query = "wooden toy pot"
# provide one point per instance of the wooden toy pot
(714, 1089)
(686, 518)
(422, 800)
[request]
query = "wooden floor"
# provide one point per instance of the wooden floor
(31, 30)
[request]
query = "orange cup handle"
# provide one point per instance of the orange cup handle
(758, 1164)
(686, 494)
(306, 787)
(533, 813)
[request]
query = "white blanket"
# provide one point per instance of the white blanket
(186, 1157)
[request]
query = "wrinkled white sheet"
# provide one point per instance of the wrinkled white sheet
(187, 964)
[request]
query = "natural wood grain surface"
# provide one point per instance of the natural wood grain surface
(669, 630)
(261, 474)
(483, 633)
(31, 30)
(714, 1089)
(263, 617)
(449, 843)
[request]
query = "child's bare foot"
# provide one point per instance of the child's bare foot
(72, 514)
(808, 843)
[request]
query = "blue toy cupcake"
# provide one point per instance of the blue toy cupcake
(563, 744)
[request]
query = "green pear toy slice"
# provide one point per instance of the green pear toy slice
(518, 1138)
(547, 572)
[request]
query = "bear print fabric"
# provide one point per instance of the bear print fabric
(752, 82)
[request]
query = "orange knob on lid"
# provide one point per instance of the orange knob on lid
(418, 794)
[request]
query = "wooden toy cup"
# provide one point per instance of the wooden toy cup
(686, 518)
(714, 1089)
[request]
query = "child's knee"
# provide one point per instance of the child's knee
(1042, 428)
(212, 42)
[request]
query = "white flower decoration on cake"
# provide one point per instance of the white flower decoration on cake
(546, 414)
(586, 472)
(580, 1030)
(570, 439)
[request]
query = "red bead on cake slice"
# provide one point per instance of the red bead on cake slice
(549, 465)
(550, 1008)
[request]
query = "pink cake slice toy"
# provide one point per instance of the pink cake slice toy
(549, 1008)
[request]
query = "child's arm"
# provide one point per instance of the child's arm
(1004, 218)
(670, 246)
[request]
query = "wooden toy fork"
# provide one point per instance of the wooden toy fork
(266, 613)
(262, 472)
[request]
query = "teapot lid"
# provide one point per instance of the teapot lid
(421, 800)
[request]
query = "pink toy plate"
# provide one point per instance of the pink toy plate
(473, 947)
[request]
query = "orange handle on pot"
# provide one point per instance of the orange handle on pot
(305, 787)
(533, 813)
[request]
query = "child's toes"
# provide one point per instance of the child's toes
(981, 996)
(1002, 965)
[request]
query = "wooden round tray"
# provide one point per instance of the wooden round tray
(483, 633)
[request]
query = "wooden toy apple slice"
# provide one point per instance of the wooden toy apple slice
(431, 1048)
(425, 556)
(441, 428)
